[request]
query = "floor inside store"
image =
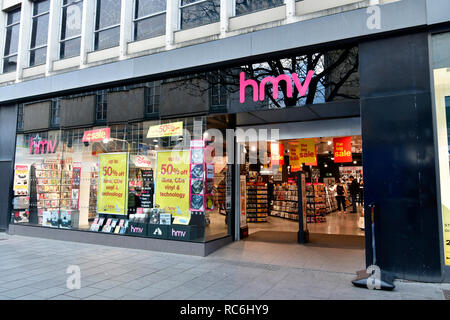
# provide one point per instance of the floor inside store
(339, 230)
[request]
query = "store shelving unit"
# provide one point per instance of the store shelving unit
(257, 202)
(316, 208)
(53, 189)
(285, 201)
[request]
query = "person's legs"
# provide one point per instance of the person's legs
(338, 203)
(354, 203)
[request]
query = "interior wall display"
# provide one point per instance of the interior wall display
(21, 180)
(285, 201)
(166, 130)
(172, 182)
(342, 149)
(112, 183)
(243, 200)
(307, 150)
(346, 172)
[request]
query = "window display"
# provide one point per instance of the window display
(124, 179)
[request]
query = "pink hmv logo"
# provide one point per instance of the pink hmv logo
(259, 92)
(42, 146)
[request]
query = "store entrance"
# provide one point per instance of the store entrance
(333, 194)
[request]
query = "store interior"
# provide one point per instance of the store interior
(272, 192)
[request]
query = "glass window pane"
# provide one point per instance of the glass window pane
(71, 20)
(107, 39)
(13, 16)
(12, 40)
(10, 64)
(38, 56)
(200, 14)
(71, 1)
(40, 31)
(70, 48)
(108, 13)
(146, 7)
(41, 7)
(150, 27)
(247, 6)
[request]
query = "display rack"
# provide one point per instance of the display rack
(285, 201)
(93, 194)
(220, 192)
(315, 203)
(257, 202)
(54, 193)
(331, 202)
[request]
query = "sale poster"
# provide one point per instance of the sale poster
(342, 150)
(112, 183)
(307, 150)
(166, 130)
(172, 182)
(294, 157)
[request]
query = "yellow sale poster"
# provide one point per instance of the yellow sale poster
(166, 130)
(307, 150)
(172, 182)
(294, 156)
(112, 183)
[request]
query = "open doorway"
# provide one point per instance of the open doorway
(332, 193)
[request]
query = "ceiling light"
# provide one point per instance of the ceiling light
(329, 143)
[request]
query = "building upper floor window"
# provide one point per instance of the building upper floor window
(101, 106)
(70, 40)
(107, 24)
(195, 13)
(152, 98)
(149, 19)
(39, 32)
(248, 6)
(11, 41)
(55, 118)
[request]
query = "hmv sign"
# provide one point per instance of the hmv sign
(41, 146)
(259, 90)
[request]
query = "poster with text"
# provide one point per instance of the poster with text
(112, 183)
(294, 157)
(172, 182)
(21, 180)
(307, 150)
(342, 150)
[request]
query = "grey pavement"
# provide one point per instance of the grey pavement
(36, 269)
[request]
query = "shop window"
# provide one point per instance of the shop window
(196, 13)
(20, 117)
(11, 41)
(39, 32)
(101, 106)
(70, 40)
(248, 6)
(107, 24)
(149, 19)
(152, 99)
(55, 118)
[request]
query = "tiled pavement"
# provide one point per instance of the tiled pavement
(32, 268)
